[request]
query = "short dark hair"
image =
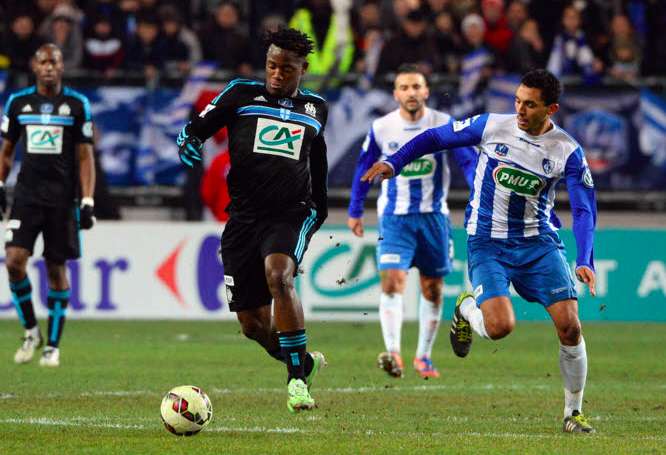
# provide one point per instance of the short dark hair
(544, 80)
(289, 39)
(410, 68)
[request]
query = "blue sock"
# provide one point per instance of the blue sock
(57, 302)
(293, 346)
(22, 298)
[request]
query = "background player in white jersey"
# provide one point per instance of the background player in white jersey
(413, 219)
(511, 227)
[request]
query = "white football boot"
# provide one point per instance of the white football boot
(50, 357)
(31, 342)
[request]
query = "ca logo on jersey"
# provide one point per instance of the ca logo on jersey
(422, 167)
(278, 138)
(519, 181)
(44, 139)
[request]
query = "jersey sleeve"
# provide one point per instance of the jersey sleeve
(84, 123)
(10, 128)
(583, 206)
(466, 159)
(370, 153)
(461, 133)
(319, 173)
(215, 115)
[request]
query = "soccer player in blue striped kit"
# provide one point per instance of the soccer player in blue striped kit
(413, 219)
(512, 228)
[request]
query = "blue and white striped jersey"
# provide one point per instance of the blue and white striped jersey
(516, 175)
(423, 185)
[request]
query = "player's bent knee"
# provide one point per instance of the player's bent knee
(15, 267)
(279, 281)
(433, 293)
(570, 335)
(501, 327)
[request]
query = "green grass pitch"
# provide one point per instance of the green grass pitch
(506, 397)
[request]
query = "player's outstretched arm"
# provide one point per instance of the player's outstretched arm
(87, 178)
(584, 213)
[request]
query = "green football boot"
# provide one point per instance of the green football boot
(318, 362)
(299, 397)
(461, 331)
(577, 423)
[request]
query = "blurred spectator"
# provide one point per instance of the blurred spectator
(436, 7)
(516, 15)
(527, 51)
(21, 42)
(571, 55)
(370, 49)
(44, 9)
(63, 29)
(475, 67)
(103, 50)
(369, 16)
(624, 50)
(654, 62)
(146, 51)
(224, 42)
(397, 14)
(411, 44)
(498, 34)
(130, 10)
(108, 9)
(327, 23)
(183, 50)
(269, 23)
(447, 42)
(546, 14)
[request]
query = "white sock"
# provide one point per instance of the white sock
(390, 316)
(573, 366)
(429, 317)
(33, 331)
(474, 315)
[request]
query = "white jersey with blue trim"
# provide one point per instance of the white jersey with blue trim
(423, 185)
(515, 179)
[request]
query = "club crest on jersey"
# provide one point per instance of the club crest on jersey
(286, 102)
(518, 181)
(64, 109)
(501, 149)
(547, 166)
(310, 109)
(285, 114)
(393, 146)
(46, 108)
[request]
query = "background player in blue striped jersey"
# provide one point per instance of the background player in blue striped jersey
(413, 219)
(57, 171)
(512, 229)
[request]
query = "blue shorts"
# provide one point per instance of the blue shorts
(536, 266)
(422, 240)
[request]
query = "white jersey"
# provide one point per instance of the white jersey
(422, 186)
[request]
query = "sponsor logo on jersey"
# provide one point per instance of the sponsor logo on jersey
(587, 178)
(260, 98)
(501, 149)
(286, 102)
(46, 108)
(27, 108)
(228, 280)
(278, 138)
(310, 109)
(547, 166)
(44, 139)
(64, 109)
(422, 167)
(519, 181)
(87, 129)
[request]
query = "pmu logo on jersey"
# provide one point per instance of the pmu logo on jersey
(422, 167)
(44, 139)
(519, 181)
(278, 138)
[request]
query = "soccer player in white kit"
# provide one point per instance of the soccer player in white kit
(512, 229)
(413, 219)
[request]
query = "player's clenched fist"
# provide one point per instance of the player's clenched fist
(379, 170)
(87, 215)
(586, 275)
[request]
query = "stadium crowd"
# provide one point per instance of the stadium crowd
(473, 38)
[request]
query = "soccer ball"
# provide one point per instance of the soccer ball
(186, 410)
